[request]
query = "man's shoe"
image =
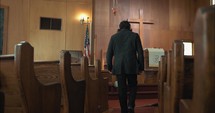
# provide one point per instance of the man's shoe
(130, 110)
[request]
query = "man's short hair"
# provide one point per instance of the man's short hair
(124, 25)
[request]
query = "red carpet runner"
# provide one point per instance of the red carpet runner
(141, 106)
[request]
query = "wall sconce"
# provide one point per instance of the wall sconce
(82, 20)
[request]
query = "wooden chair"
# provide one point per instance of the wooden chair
(23, 92)
(204, 81)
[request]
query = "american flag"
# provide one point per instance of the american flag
(87, 43)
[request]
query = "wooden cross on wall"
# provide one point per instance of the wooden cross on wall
(140, 21)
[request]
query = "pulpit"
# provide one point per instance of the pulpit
(151, 62)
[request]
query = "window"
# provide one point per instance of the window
(1, 28)
(212, 2)
(188, 48)
(50, 23)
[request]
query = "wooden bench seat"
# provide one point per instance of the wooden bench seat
(22, 91)
(96, 85)
(92, 85)
(167, 83)
(176, 78)
(162, 72)
(103, 85)
(73, 86)
(181, 76)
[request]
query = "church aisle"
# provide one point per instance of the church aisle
(142, 106)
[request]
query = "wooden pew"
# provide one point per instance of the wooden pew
(23, 92)
(104, 82)
(103, 85)
(181, 76)
(204, 80)
(175, 78)
(1, 102)
(167, 84)
(92, 102)
(92, 86)
(47, 71)
(162, 73)
(73, 86)
(1, 99)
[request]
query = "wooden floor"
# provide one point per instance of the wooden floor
(142, 106)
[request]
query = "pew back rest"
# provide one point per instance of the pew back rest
(39, 98)
(92, 94)
(10, 85)
(47, 71)
(204, 83)
(103, 82)
(181, 75)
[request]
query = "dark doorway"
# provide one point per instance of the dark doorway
(1, 29)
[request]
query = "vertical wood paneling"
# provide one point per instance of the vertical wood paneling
(172, 20)
(23, 24)
(101, 24)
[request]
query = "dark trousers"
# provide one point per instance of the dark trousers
(122, 80)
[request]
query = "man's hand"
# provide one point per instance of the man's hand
(110, 72)
(139, 73)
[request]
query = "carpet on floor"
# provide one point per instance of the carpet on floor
(142, 106)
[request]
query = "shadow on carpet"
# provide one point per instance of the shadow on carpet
(137, 110)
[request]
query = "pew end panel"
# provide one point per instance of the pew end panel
(103, 87)
(13, 101)
(92, 101)
(74, 89)
(162, 71)
(204, 80)
(37, 96)
(181, 76)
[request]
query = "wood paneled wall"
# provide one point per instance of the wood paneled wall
(24, 24)
(173, 19)
(16, 23)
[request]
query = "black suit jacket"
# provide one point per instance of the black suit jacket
(125, 53)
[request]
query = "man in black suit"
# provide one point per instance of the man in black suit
(126, 51)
